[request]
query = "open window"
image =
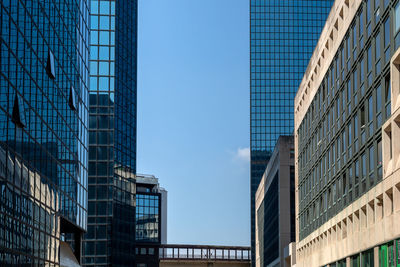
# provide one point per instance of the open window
(18, 113)
(72, 99)
(50, 68)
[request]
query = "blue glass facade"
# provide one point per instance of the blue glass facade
(283, 35)
(43, 129)
(110, 238)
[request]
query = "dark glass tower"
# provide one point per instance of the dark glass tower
(110, 239)
(44, 60)
(283, 34)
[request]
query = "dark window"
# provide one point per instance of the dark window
(18, 112)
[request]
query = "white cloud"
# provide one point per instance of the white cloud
(243, 154)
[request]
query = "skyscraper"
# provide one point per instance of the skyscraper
(110, 238)
(283, 34)
(44, 60)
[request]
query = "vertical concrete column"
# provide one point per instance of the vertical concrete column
(348, 262)
(376, 256)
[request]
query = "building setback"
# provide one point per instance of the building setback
(283, 34)
(151, 220)
(44, 81)
(275, 206)
(346, 125)
(110, 239)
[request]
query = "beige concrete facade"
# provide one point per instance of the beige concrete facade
(180, 263)
(281, 161)
(374, 218)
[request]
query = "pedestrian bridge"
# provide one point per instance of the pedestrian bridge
(204, 256)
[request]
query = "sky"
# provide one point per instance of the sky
(193, 115)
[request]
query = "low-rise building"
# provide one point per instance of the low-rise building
(275, 206)
(151, 218)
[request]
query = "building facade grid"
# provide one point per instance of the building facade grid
(43, 128)
(283, 34)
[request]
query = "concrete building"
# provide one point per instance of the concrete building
(151, 218)
(275, 206)
(347, 118)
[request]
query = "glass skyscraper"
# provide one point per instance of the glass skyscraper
(110, 239)
(283, 35)
(44, 72)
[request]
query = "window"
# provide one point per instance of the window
(355, 79)
(50, 68)
(378, 106)
(379, 159)
(356, 126)
(344, 184)
(370, 115)
(362, 77)
(369, 65)
(377, 11)
(387, 96)
(397, 18)
(377, 53)
(357, 172)
(349, 140)
(386, 44)
(364, 165)
(18, 112)
(369, 14)
(362, 115)
(361, 29)
(72, 98)
(371, 164)
(354, 30)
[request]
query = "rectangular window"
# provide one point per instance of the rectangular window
(357, 172)
(397, 18)
(371, 164)
(378, 106)
(387, 96)
(386, 44)
(356, 127)
(370, 115)
(379, 159)
(369, 65)
(355, 79)
(364, 166)
(361, 29)
(362, 115)
(354, 31)
(377, 53)
(362, 77)
(377, 11)
(369, 14)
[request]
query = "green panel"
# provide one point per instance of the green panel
(397, 242)
(383, 260)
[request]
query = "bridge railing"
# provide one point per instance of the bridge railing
(199, 252)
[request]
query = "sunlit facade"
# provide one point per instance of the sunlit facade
(347, 118)
(283, 34)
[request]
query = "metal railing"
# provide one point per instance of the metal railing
(208, 253)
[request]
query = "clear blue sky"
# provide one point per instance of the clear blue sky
(193, 115)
